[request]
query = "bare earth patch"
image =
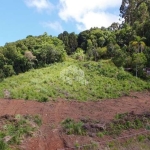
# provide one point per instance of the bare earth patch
(51, 137)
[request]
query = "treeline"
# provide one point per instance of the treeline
(32, 52)
(127, 44)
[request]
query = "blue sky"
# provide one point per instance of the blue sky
(20, 18)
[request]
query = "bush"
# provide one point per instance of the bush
(8, 70)
(79, 54)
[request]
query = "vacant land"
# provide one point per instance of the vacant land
(51, 135)
(83, 81)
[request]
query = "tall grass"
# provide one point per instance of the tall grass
(73, 80)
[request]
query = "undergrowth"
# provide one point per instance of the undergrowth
(121, 123)
(14, 129)
(72, 127)
(140, 142)
(73, 80)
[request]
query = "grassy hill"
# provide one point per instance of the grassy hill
(73, 80)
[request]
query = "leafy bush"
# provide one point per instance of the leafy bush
(79, 54)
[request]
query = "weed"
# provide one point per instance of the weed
(43, 99)
(77, 145)
(38, 120)
(126, 121)
(111, 144)
(3, 145)
(134, 143)
(91, 146)
(72, 127)
(100, 134)
(17, 128)
(141, 138)
(120, 116)
(104, 80)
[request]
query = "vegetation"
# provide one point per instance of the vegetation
(32, 52)
(72, 127)
(126, 45)
(121, 123)
(86, 66)
(73, 80)
(16, 128)
(139, 142)
(92, 145)
(127, 121)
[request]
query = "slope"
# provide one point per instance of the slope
(72, 80)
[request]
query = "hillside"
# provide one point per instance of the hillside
(72, 79)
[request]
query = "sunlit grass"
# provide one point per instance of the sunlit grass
(80, 80)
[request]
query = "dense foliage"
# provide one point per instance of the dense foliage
(126, 44)
(120, 42)
(32, 52)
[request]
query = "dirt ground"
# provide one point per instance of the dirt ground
(50, 137)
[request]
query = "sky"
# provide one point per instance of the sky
(20, 18)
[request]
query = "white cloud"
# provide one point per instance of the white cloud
(89, 13)
(53, 25)
(39, 4)
(97, 19)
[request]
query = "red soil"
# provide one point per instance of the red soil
(50, 137)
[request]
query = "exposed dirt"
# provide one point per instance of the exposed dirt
(50, 136)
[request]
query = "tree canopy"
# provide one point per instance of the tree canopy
(126, 44)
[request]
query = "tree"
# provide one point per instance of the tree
(82, 39)
(65, 38)
(138, 62)
(79, 54)
(138, 45)
(119, 58)
(10, 52)
(29, 56)
(2, 60)
(102, 52)
(125, 35)
(101, 41)
(73, 44)
(8, 70)
(114, 26)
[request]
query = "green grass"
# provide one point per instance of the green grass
(90, 146)
(72, 127)
(3, 145)
(127, 121)
(140, 142)
(73, 80)
(114, 128)
(15, 130)
(121, 123)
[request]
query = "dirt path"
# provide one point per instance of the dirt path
(49, 137)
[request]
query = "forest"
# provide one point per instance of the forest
(127, 44)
